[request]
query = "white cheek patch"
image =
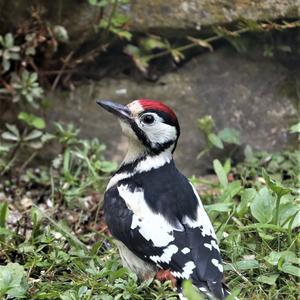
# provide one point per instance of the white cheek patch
(158, 132)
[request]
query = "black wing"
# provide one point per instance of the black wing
(187, 247)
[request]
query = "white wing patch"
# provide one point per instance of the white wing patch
(202, 220)
(212, 244)
(216, 263)
(186, 250)
(166, 256)
(152, 226)
(187, 270)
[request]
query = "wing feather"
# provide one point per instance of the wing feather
(187, 250)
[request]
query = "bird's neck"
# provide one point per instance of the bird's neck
(137, 161)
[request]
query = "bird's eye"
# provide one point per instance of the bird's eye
(148, 119)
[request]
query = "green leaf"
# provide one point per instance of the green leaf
(290, 269)
(295, 128)
(152, 43)
(32, 120)
(9, 40)
(268, 279)
(232, 189)
(227, 165)
(61, 34)
(274, 257)
(265, 236)
(35, 145)
(286, 211)
(247, 197)
(219, 170)
(233, 294)
(275, 186)
(3, 213)
(107, 166)
(190, 292)
(220, 207)
(242, 265)
(100, 3)
(9, 136)
(263, 205)
(206, 124)
(12, 280)
(230, 136)
(13, 128)
(34, 134)
(215, 140)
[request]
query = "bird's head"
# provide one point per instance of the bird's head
(152, 124)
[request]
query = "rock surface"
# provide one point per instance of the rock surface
(197, 13)
(79, 17)
(242, 92)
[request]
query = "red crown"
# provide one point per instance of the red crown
(157, 105)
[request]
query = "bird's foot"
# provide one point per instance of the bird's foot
(164, 275)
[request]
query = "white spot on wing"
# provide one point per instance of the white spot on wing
(212, 244)
(209, 246)
(186, 250)
(187, 270)
(216, 263)
(167, 254)
(152, 226)
(215, 245)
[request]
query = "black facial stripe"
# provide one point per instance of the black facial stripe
(141, 135)
(130, 166)
(158, 148)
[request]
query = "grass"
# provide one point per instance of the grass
(55, 245)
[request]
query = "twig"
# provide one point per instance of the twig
(264, 27)
(14, 156)
(192, 45)
(113, 11)
(29, 159)
(65, 62)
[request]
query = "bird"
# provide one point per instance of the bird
(153, 211)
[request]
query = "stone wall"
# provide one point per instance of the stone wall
(246, 93)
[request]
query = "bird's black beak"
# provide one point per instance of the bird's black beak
(119, 110)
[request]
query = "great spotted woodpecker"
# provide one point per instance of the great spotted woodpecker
(152, 210)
